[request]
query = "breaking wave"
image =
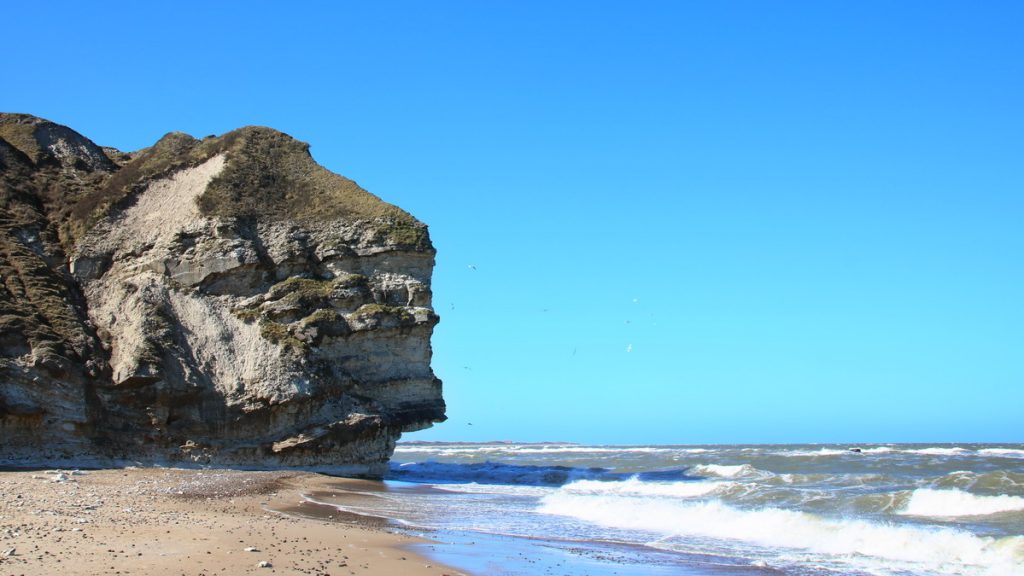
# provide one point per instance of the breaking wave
(1003, 452)
(955, 451)
(813, 453)
(954, 503)
(726, 471)
(991, 483)
(942, 550)
(636, 487)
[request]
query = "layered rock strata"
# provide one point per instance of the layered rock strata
(218, 301)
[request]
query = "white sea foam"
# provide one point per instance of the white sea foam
(952, 503)
(636, 487)
(878, 450)
(725, 471)
(812, 453)
(503, 489)
(938, 550)
(443, 450)
(955, 451)
(1004, 452)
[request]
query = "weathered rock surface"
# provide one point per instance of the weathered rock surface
(218, 301)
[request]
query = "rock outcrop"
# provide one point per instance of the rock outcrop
(218, 301)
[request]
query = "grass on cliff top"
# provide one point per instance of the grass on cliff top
(19, 131)
(268, 174)
(37, 139)
(171, 153)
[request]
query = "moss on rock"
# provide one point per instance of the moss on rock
(280, 334)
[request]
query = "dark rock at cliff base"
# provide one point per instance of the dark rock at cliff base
(222, 301)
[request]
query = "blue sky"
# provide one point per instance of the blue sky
(690, 221)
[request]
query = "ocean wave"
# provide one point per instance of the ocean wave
(516, 474)
(814, 453)
(1003, 452)
(833, 480)
(935, 451)
(490, 473)
(985, 483)
(589, 450)
(502, 489)
(930, 451)
(517, 449)
(441, 450)
(636, 487)
(728, 471)
(942, 550)
(954, 503)
(682, 451)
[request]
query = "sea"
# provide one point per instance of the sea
(807, 510)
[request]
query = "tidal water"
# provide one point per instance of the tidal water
(805, 510)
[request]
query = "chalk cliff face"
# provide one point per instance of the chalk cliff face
(216, 301)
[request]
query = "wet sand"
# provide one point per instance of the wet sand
(191, 522)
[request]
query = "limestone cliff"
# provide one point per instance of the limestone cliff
(218, 301)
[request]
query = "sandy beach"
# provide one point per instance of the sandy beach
(188, 522)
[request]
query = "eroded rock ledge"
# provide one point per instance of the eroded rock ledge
(218, 301)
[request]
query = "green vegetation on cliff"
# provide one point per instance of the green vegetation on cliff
(279, 334)
(20, 135)
(268, 174)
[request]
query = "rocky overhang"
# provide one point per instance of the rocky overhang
(221, 301)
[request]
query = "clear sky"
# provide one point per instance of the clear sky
(690, 221)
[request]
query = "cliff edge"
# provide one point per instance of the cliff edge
(220, 301)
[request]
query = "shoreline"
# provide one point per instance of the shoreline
(189, 521)
(481, 552)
